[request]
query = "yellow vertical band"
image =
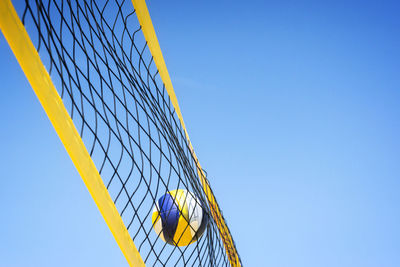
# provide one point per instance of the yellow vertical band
(38, 77)
(152, 42)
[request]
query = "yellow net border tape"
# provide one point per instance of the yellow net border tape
(152, 42)
(37, 75)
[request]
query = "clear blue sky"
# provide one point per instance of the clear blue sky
(293, 109)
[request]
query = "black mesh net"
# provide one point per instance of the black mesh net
(99, 62)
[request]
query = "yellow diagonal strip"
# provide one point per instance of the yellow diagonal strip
(38, 77)
(152, 42)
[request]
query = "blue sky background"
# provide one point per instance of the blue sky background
(293, 109)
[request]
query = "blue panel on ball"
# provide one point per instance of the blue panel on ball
(169, 213)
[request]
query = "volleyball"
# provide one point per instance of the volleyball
(179, 218)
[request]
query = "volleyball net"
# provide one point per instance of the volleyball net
(98, 71)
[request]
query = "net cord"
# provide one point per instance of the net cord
(37, 75)
(152, 42)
